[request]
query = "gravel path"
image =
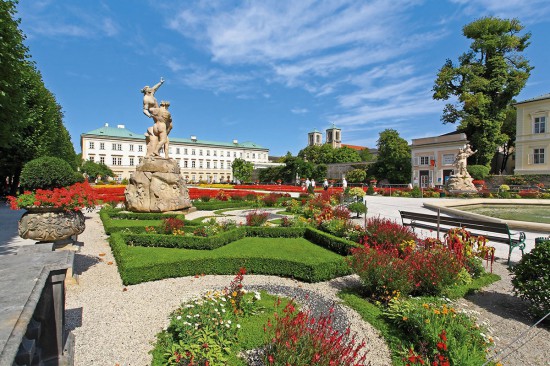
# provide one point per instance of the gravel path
(505, 314)
(114, 324)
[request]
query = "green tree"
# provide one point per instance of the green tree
(345, 155)
(12, 55)
(366, 155)
(394, 158)
(242, 169)
(326, 154)
(94, 170)
(509, 131)
(484, 82)
(356, 175)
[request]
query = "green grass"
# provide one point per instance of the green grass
(134, 223)
(531, 213)
(286, 257)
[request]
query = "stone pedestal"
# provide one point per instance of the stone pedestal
(157, 186)
(461, 183)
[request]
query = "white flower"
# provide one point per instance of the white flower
(188, 316)
(227, 325)
(228, 321)
(257, 295)
(223, 310)
(197, 315)
(239, 326)
(178, 317)
(223, 299)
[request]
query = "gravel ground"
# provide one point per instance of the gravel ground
(507, 319)
(114, 324)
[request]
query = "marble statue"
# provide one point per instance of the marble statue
(461, 179)
(157, 135)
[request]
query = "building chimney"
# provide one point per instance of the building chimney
(235, 141)
(120, 126)
(106, 124)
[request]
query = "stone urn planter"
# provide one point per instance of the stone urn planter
(50, 224)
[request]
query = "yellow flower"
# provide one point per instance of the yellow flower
(426, 306)
(436, 312)
(427, 321)
(234, 294)
(405, 318)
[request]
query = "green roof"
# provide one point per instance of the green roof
(540, 97)
(126, 133)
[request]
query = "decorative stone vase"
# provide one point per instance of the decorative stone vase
(50, 224)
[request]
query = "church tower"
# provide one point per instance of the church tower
(334, 137)
(314, 138)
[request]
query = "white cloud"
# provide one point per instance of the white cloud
(299, 110)
(532, 11)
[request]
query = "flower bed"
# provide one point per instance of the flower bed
(75, 197)
(108, 193)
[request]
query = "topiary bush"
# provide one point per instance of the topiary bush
(478, 172)
(47, 172)
(532, 279)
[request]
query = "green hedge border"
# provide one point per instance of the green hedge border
(132, 272)
(218, 205)
(111, 219)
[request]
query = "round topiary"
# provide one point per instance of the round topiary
(478, 172)
(46, 173)
(532, 279)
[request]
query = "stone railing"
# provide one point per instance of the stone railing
(32, 307)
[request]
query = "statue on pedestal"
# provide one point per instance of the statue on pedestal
(157, 184)
(461, 180)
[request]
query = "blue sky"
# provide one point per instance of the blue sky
(264, 71)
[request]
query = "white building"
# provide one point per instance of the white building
(200, 160)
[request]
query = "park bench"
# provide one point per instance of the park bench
(492, 231)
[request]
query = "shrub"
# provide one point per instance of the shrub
(47, 173)
(171, 224)
(528, 194)
(271, 199)
(256, 218)
(308, 340)
(358, 207)
(532, 279)
(370, 190)
(205, 198)
(356, 192)
(478, 172)
(416, 192)
(386, 233)
(433, 270)
(504, 187)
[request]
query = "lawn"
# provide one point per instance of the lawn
(531, 213)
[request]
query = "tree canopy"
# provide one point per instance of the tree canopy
(242, 169)
(35, 127)
(326, 154)
(394, 158)
(94, 170)
(485, 81)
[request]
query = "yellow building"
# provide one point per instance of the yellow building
(533, 136)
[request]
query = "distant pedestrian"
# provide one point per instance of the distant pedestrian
(344, 184)
(325, 184)
(313, 183)
(308, 183)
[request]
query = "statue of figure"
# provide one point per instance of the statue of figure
(157, 135)
(149, 100)
(461, 160)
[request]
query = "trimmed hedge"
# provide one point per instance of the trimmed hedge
(185, 242)
(275, 232)
(115, 221)
(330, 242)
(47, 172)
(133, 271)
(145, 215)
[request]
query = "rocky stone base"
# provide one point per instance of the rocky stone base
(157, 186)
(44, 224)
(461, 183)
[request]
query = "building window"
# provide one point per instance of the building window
(131, 149)
(192, 151)
(234, 154)
(424, 160)
(215, 153)
(140, 148)
(228, 165)
(177, 150)
(221, 164)
(131, 161)
(102, 159)
(91, 158)
(117, 160)
(117, 147)
(91, 145)
(207, 152)
(538, 156)
(193, 165)
(101, 146)
(140, 159)
(114, 147)
(215, 165)
(185, 163)
(200, 164)
(448, 159)
(185, 151)
(539, 125)
(207, 165)
(200, 152)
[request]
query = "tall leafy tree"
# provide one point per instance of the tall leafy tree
(12, 55)
(394, 158)
(484, 82)
(242, 169)
(326, 154)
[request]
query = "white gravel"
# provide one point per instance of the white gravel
(114, 324)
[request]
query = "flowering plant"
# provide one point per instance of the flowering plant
(75, 197)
